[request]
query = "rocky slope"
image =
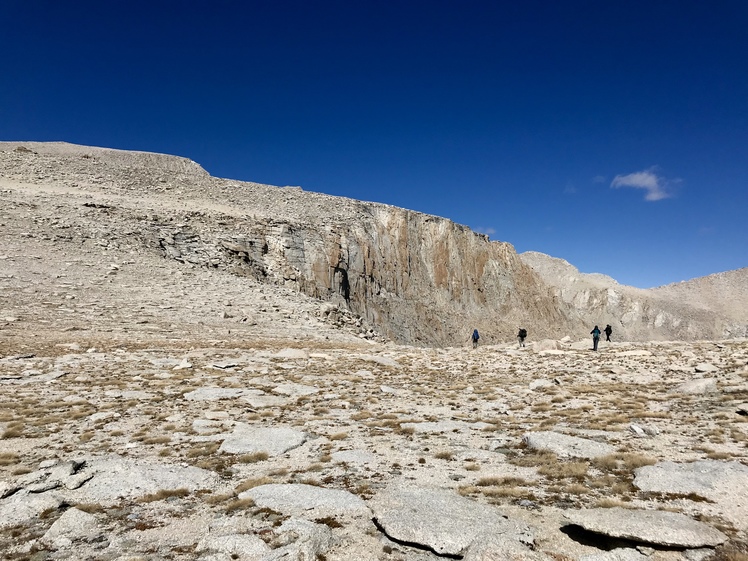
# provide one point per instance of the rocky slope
(704, 308)
(407, 276)
(416, 278)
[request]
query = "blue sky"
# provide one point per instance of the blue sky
(611, 134)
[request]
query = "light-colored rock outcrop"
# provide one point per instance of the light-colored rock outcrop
(654, 527)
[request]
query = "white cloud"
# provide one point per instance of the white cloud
(488, 231)
(657, 187)
(570, 190)
(598, 179)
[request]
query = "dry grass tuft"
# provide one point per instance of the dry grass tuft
(239, 504)
(221, 498)
(13, 430)
(157, 440)
(564, 470)
(338, 436)
(90, 508)
(253, 458)
(500, 481)
(576, 489)
(329, 521)
(203, 449)
(163, 494)
(535, 459)
(444, 455)
(622, 462)
(8, 458)
(251, 483)
(611, 503)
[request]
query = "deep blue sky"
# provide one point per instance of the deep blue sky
(611, 134)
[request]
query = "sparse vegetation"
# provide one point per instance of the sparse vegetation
(164, 494)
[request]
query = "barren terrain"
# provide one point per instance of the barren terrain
(154, 408)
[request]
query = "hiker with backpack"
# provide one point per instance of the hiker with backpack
(595, 337)
(608, 330)
(521, 336)
(475, 338)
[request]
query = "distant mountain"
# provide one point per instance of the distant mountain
(416, 278)
(725, 293)
(706, 308)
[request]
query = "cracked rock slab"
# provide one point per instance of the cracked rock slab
(441, 521)
(115, 478)
(247, 439)
(699, 386)
(648, 526)
(444, 426)
(307, 500)
(214, 394)
(724, 483)
(567, 446)
(239, 546)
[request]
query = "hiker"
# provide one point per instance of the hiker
(608, 330)
(521, 336)
(595, 337)
(475, 338)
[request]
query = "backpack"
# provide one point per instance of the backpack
(523, 333)
(475, 335)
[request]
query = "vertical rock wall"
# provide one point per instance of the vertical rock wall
(420, 279)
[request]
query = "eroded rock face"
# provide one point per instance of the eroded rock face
(418, 278)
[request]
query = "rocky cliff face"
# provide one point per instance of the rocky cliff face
(418, 278)
(412, 277)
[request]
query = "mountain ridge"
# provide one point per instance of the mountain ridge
(415, 278)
